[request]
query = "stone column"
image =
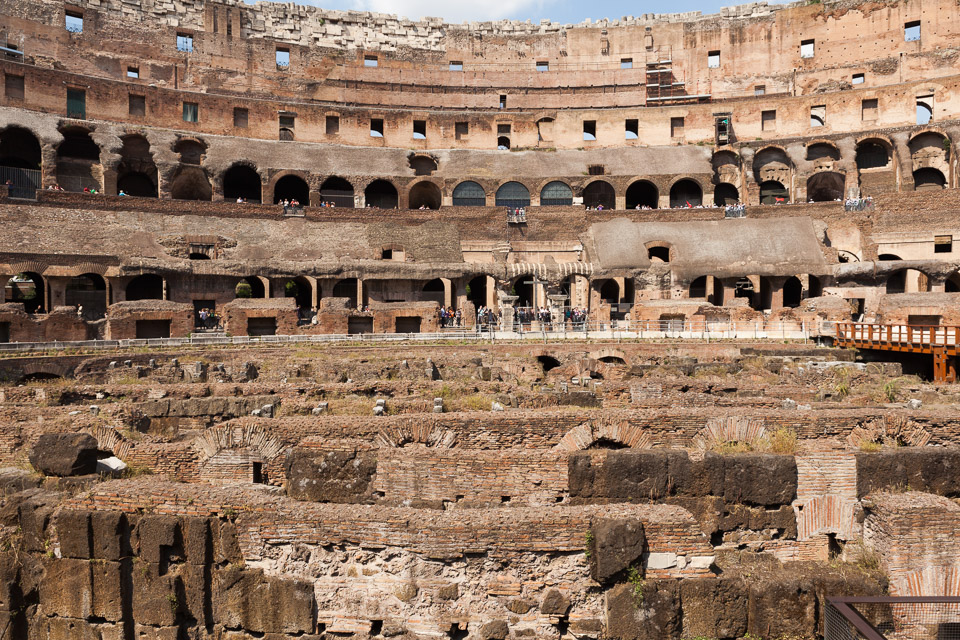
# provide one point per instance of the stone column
(556, 310)
(506, 310)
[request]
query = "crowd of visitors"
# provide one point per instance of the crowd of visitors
(858, 204)
(449, 318)
(518, 214)
(208, 319)
(52, 187)
(487, 317)
(735, 210)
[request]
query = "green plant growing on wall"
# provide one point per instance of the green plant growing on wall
(589, 543)
(244, 290)
(637, 583)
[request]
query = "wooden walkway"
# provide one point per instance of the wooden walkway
(942, 342)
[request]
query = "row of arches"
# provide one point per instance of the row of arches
(758, 290)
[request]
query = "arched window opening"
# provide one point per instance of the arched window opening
(642, 195)
(338, 192)
(599, 193)
(382, 195)
(469, 194)
(725, 194)
(423, 165)
(137, 172)
(503, 143)
(556, 194)
(242, 182)
(26, 288)
(78, 161)
(191, 183)
(792, 292)
(659, 254)
(286, 134)
(191, 151)
(346, 288)
(290, 188)
(434, 291)
(548, 363)
(825, 186)
(425, 195)
(929, 179)
(773, 192)
(20, 158)
(908, 281)
(814, 287)
(821, 150)
(149, 286)
(89, 292)
(513, 195)
(743, 288)
(924, 113)
(686, 193)
(884, 257)
(250, 287)
(610, 291)
(872, 155)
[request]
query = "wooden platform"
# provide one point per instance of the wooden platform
(942, 342)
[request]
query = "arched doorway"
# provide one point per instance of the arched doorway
(686, 193)
(825, 186)
(792, 292)
(381, 194)
(88, 291)
(27, 288)
(556, 194)
(242, 181)
(291, 187)
(191, 183)
(338, 192)
(149, 286)
(425, 195)
(609, 290)
(599, 193)
(929, 179)
(513, 195)
(642, 195)
(908, 281)
(434, 291)
(523, 289)
(477, 291)
(346, 288)
(20, 157)
(300, 290)
(78, 161)
(709, 288)
(137, 172)
(872, 154)
(773, 192)
(725, 194)
(469, 194)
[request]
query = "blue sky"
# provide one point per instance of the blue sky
(534, 10)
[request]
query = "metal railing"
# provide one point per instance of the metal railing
(882, 617)
(21, 183)
(568, 330)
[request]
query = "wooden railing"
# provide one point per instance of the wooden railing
(902, 337)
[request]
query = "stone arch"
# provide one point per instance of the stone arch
(873, 153)
(109, 439)
(513, 194)
(242, 180)
(587, 434)
(420, 432)
(137, 173)
(422, 165)
(642, 193)
(338, 191)
(772, 164)
(726, 168)
(725, 194)
(599, 193)
(929, 179)
(826, 514)
(822, 150)
(290, 186)
(20, 148)
(607, 356)
(895, 430)
(32, 296)
(469, 194)
(929, 149)
(659, 250)
(722, 431)
(424, 194)
(686, 192)
(78, 161)
(381, 194)
(773, 191)
(191, 150)
(825, 186)
(251, 436)
(47, 369)
(556, 193)
(902, 281)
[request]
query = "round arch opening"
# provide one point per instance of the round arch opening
(242, 182)
(337, 192)
(425, 195)
(642, 195)
(686, 193)
(290, 188)
(599, 193)
(381, 194)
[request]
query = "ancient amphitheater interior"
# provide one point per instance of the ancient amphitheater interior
(329, 325)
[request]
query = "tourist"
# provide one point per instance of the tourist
(122, 193)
